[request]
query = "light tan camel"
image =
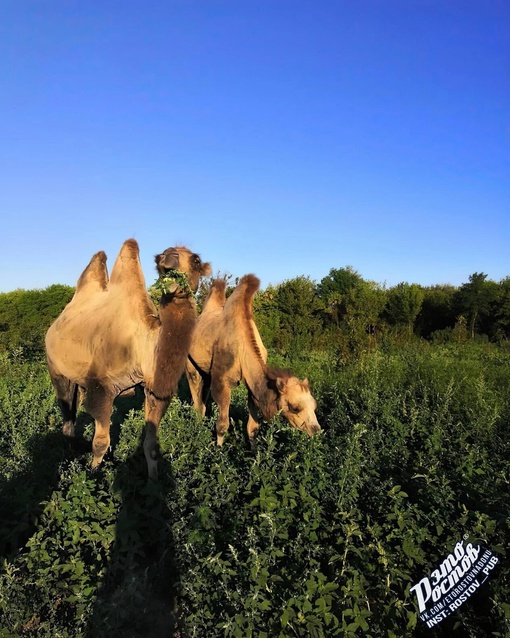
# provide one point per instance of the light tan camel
(110, 338)
(226, 349)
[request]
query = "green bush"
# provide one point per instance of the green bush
(319, 536)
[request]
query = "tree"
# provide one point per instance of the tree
(267, 316)
(404, 304)
(437, 310)
(299, 307)
(502, 310)
(476, 298)
(334, 289)
(364, 304)
(25, 316)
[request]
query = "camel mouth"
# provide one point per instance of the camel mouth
(171, 282)
(168, 260)
(312, 429)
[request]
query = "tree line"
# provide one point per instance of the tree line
(348, 313)
(343, 311)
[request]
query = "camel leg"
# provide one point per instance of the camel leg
(253, 425)
(99, 404)
(220, 392)
(196, 386)
(67, 397)
(154, 410)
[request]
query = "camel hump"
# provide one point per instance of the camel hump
(251, 284)
(95, 276)
(248, 286)
(127, 266)
(216, 297)
(242, 297)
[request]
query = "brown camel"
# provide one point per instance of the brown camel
(226, 349)
(110, 338)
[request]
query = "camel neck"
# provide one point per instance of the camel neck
(170, 304)
(265, 397)
(177, 323)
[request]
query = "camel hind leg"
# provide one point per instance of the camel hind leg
(199, 386)
(221, 392)
(99, 404)
(67, 398)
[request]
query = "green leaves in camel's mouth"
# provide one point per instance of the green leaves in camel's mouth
(169, 283)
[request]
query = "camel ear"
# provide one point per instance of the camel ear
(206, 269)
(280, 384)
(306, 384)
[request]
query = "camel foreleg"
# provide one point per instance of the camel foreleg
(67, 398)
(253, 425)
(154, 410)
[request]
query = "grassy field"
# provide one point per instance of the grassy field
(304, 537)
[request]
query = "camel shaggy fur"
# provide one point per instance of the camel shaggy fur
(226, 349)
(110, 338)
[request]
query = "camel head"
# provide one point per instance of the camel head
(188, 267)
(296, 403)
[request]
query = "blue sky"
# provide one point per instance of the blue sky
(279, 137)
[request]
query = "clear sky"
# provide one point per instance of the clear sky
(279, 137)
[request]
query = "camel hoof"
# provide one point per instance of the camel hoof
(96, 464)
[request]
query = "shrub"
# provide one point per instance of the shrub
(319, 536)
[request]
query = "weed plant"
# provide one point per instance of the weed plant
(317, 537)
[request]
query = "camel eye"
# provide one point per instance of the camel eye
(295, 409)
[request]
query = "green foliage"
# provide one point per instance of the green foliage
(339, 281)
(318, 536)
(336, 291)
(438, 310)
(25, 316)
(476, 298)
(501, 310)
(168, 283)
(404, 304)
(267, 316)
(298, 308)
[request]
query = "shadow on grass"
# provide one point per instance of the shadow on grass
(136, 597)
(24, 493)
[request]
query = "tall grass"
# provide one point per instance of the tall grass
(303, 537)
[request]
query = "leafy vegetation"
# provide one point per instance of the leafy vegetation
(342, 310)
(319, 536)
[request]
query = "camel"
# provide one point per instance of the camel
(226, 348)
(110, 338)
